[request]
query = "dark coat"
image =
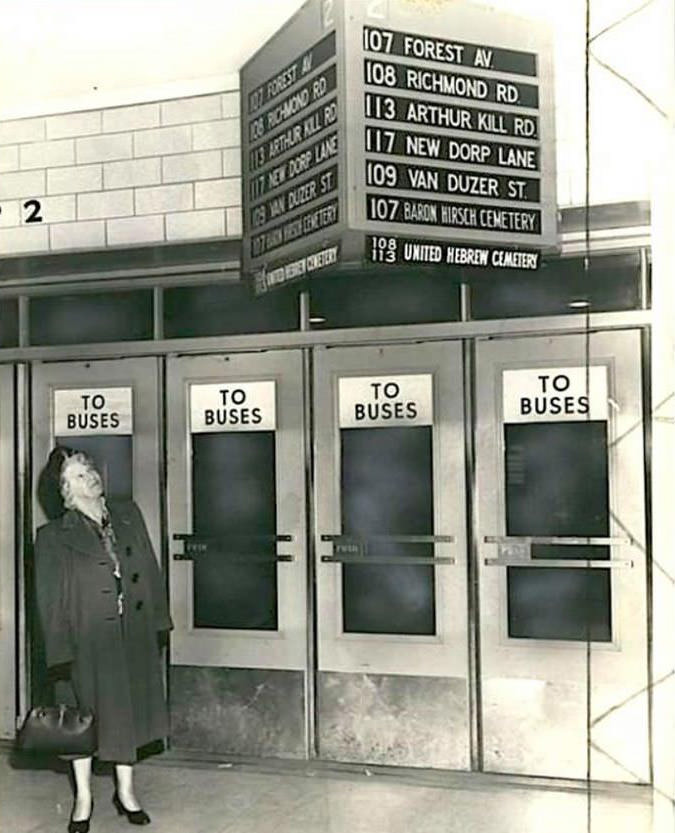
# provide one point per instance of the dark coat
(115, 665)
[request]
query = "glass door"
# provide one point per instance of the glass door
(561, 526)
(237, 528)
(392, 681)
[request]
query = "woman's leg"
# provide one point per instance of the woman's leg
(82, 777)
(124, 773)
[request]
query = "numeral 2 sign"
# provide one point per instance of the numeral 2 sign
(31, 212)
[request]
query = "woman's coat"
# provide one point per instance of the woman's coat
(115, 660)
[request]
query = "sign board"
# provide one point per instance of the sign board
(451, 126)
(388, 120)
(233, 406)
(92, 411)
(293, 149)
(385, 401)
(400, 250)
(555, 394)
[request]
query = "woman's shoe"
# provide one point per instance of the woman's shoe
(81, 826)
(133, 816)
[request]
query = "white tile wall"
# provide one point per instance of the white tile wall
(188, 167)
(225, 192)
(85, 235)
(10, 215)
(162, 141)
(23, 184)
(24, 239)
(74, 124)
(130, 118)
(9, 158)
(157, 172)
(164, 198)
(135, 230)
(216, 134)
(75, 180)
(104, 148)
(190, 110)
(23, 130)
(190, 225)
(105, 204)
(133, 172)
(47, 154)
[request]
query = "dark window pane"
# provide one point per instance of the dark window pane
(9, 322)
(387, 489)
(234, 497)
(226, 310)
(367, 300)
(612, 283)
(556, 478)
(558, 603)
(91, 317)
(113, 456)
(557, 485)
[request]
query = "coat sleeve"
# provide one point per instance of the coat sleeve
(156, 583)
(53, 591)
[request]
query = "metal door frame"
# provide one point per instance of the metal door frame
(467, 331)
(8, 571)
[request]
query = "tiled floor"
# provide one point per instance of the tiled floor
(243, 799)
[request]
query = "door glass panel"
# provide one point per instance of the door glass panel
(387, 489)
(234, 499)
(557, 485)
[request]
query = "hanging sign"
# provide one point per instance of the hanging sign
(92, 411)
(555, 394)
(384, 401)
(402, 250)
(233, 406)
(370, 128)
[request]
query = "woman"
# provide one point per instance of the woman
(104, 615)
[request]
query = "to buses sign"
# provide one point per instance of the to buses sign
(366, 122)
(383, 401)
(79, 411)
(555, 394)
(232, 406)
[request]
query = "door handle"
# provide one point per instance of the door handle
(516, 551)
(353, 549)
(226, 547)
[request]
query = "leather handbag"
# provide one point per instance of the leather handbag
(59, 730)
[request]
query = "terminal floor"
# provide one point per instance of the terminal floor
(191, 798)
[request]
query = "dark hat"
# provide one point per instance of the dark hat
(57, 457)
(49, 481)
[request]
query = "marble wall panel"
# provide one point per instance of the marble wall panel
(239, 711)
(393, 720)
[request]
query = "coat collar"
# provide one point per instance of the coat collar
(82, 535)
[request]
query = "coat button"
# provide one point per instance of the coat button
(134, 578)
(139, 605)
(128, 551)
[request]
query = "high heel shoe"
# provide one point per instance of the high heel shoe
(133, 816)
(81, 826)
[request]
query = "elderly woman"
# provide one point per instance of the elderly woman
(103, 611)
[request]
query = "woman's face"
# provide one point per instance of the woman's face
(83, 480)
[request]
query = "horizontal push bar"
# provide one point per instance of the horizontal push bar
(554, 540)
(390, 539)
(195, 536)
(367, 560)
(596, 563)
(237, 557)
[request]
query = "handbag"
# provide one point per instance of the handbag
(60, 730)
